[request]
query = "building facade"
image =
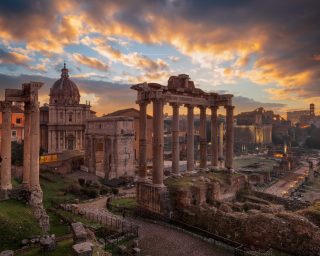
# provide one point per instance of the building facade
(63, 119)
(17, 123)
(135, 114)
(109, 149)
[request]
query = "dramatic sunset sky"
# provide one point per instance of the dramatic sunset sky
(265, 52)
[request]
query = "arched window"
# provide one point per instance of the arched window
(70, 117)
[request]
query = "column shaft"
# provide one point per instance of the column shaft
(35, 147)
(6, 147)
(214, 136)
(26, 146)
(229, 137)
(143, 141)
(203, 137)
(157, 171)
(190, 139)
(175, 139)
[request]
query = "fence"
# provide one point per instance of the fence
(104, 218)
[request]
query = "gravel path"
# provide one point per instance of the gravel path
(158, 240)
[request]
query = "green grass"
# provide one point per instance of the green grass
(16, 223)
(117, 205)
(63, 248)
(53, 187)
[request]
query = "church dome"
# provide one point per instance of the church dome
(64, 91)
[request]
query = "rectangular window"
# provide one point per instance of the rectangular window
(70, 117)
(18, 120)
(14, 134)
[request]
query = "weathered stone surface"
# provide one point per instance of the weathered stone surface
(79, 232)
(7, 253)
(82, 249)
(48, 243)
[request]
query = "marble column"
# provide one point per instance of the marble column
(157, 145)
(26, 146)
(92, 160)
(34, 182)
(190, 138)
(175, 138)
(143, 141)
(203, 137)
(229, 137)
(214, 136)
(6, 146)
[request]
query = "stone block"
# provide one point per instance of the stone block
(79, 232)
(48, 243)
(82, 249)
(7, 253)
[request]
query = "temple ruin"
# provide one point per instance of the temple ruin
(179, 91)
(29, 96)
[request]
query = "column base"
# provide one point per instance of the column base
(4, 194)
(36, 196)
(151, 197)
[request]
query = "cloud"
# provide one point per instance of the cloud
(107, 97)
(90, 62)
(13, 58)
(264, 41)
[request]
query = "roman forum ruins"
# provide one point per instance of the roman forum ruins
(180, 91)
(29, 96)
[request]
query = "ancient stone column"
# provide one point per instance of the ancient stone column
(26, 146)
(143, 141)
(190, 139)
(214, 136)
(34, 182)
(229, 137)
(157, 169)
(203, 137)
(175, 138)
(6, 146)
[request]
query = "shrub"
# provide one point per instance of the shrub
(90, 192)
(104, 190)
(115, 191)
(73, 189)
(81, 181)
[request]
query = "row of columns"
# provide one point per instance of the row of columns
(30, 150)
(158, 139)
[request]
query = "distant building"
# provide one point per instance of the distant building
(132, 112)
(253, 128)
(304, 117)
(109, 146)
(63, 120)
(17, 123)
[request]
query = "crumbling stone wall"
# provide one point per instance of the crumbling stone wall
(258, 230)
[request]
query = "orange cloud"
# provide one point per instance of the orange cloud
(13, 58)
(90, 62)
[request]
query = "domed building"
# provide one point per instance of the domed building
(63, 120)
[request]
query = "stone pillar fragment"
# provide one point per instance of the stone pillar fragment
(157, 171)
(143, 141)
(175, 139)
(190, 139)
(26, 146)
(35, 147)
(214, 136)
(6, 146)
(203, 137)
(229, 137)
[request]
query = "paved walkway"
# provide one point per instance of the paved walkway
(288, 183)
(158, 240)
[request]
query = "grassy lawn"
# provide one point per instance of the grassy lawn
(53, 187)
(117, 204)
(63, 248)
(16, 223)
